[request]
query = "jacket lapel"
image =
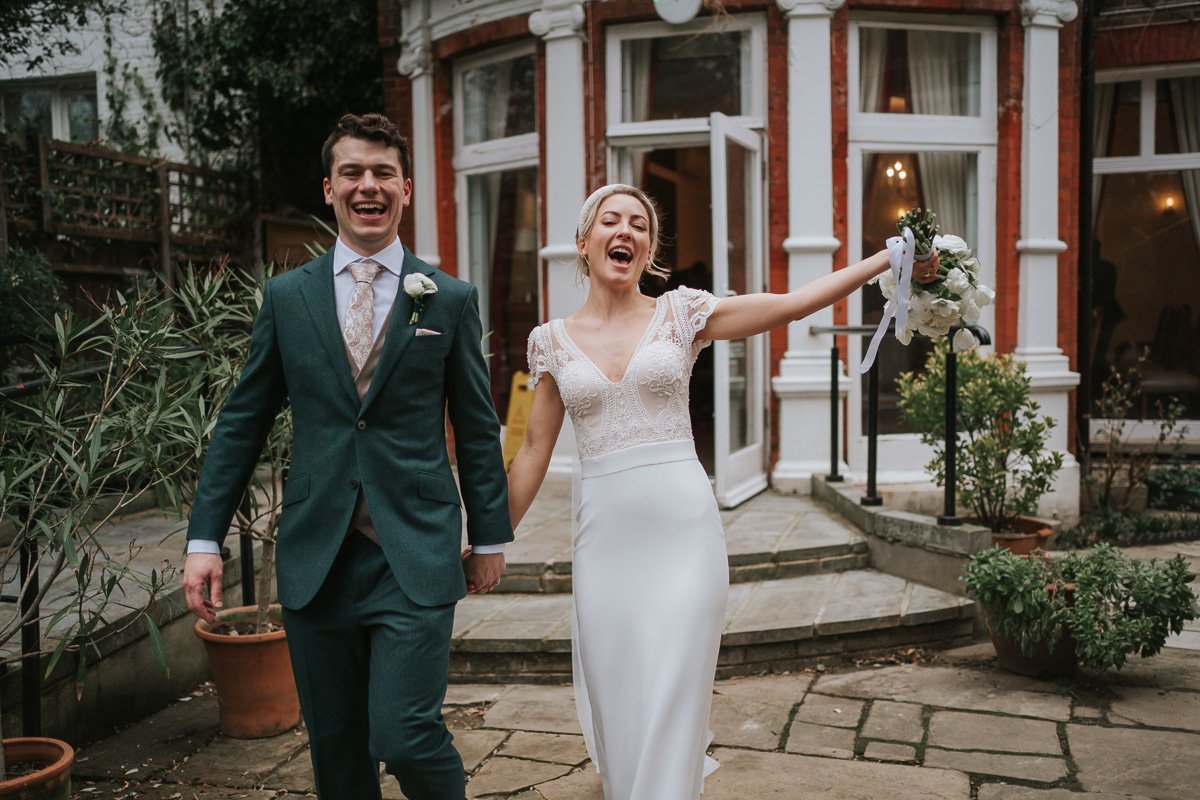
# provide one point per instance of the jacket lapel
(399, 333)
(318, 297)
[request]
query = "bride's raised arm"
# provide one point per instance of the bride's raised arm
(745, 315)
(528, 469)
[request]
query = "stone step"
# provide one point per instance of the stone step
(770, 625)
(768, 538)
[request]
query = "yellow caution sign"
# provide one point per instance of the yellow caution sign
(520, 403)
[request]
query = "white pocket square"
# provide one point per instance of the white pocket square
(428, 332)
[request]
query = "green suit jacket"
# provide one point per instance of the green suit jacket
(391, 446)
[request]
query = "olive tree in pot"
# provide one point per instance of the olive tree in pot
(1093, 608)
(1003, 466)
(247, 646)
(109, 421)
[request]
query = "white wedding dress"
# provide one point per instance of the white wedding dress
(650, 569)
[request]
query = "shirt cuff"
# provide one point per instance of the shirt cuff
(487, 549)
(203, 546)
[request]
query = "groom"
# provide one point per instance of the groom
(368, 565)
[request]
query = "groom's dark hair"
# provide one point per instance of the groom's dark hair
(375, 127)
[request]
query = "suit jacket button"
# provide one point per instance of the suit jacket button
(353, 483)
(362, 425)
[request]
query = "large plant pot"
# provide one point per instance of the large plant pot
(1027, 534)
(1044, 662)
(51, 782)
(256, 690)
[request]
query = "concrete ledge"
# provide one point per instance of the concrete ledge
(906, 544)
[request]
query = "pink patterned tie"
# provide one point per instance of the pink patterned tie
(359, 330)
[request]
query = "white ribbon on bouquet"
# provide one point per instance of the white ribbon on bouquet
(902, 251)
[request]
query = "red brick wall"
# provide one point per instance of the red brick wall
(1147, 44)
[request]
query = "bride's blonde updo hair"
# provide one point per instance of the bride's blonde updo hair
(587, 218)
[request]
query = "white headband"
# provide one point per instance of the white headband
(597, 197)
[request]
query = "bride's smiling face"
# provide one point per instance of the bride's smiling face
(617, 247)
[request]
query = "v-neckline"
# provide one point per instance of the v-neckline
(562, 326)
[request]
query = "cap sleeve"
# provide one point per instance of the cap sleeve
(693, 307)
(540, 354)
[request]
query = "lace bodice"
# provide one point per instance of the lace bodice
(650, 402)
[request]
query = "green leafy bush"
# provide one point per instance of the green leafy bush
(1112, 606)
(1003, 467)
(30, 294)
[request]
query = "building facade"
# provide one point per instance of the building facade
(780, 140)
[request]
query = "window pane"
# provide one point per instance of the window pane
(499, 100)
(945, 182)
(81, 116)
(919, 72)
(1177, 127)
(1146, 281)
(1123, 125)
(677, 77)
(28, 112)
(502, 215)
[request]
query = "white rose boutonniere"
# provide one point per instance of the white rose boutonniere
(418, 287)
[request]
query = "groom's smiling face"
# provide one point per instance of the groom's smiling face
(369, 192)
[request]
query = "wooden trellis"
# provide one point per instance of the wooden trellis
(91, 195)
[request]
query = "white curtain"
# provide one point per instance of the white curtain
(872, 54)
(1102, 125)
(637, 79)
(935, 60)
(1185, 97)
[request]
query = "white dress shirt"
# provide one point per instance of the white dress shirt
(386, 286)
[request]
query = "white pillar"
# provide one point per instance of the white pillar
(416, 63)
(803, 383)
(1039, 246)
(559, 24)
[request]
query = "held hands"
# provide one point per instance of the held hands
(927, 271)
(202, 576)
(483, 571)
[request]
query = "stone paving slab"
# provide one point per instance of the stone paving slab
(838, 712)
(899, 722)
(1161, 764)
(549, 709)
(1043, 769)
(155, 744)
(820, 740)
(503, 775)
(962, 730)
(556, 748)
(1004, 791)
(949, 687)
(240, 762)
(1156, 708)
(748, 774)
(754, 712)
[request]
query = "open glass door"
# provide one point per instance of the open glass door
(737, 232)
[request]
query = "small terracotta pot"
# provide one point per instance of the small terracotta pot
(51, 782)
(256, 690)
(1028, 534)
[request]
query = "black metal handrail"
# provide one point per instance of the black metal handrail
(871, 498)
(949, 515)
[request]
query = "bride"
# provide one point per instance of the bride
(649, 566)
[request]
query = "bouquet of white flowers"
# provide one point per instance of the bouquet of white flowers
(930, 309)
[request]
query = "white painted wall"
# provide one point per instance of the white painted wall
(132, 45)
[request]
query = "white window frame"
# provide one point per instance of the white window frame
(753, 69)
(494, 155)
(59, 87)
(1146, 432)
(901, 456)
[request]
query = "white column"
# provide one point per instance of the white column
(416, 63)
(559, 24)
(1039, 246)
(803, 383)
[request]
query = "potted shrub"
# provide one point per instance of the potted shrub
(1003, 467)
(1093, 608)
(246, 646)
(107, 422)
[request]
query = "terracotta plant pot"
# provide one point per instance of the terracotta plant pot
(256, 691)
(1043, 663)
(51, 782)
(1028, 534)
